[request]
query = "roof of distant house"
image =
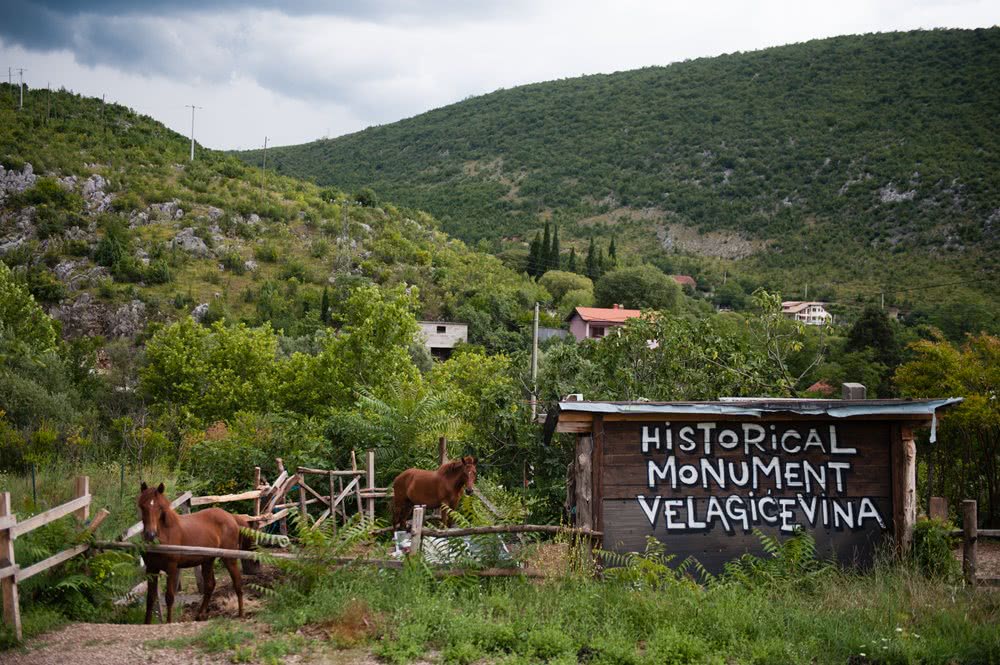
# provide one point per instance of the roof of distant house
(616, 314)
(793, 306)
(685, 280)
(822, 387)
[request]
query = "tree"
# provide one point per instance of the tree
(640, 287)
(612, 254)
(591, 267)
(324, 307)
(545, 253)
(571, 264)
(965, 462)
(535, 257)
(785, 342)
(559, 283)
(554, 263)
(23, 324)
(874, 331)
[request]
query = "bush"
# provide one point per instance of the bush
(157, 272)
(932, 549)
(642, 287)
(266, 252)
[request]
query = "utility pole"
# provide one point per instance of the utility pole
(883, 300)
(48, 101)
(807, 291)
(263, 167)
(192, 107)
(20, 74)
(534, 366)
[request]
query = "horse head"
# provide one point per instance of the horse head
(152, 505)
(469, 467)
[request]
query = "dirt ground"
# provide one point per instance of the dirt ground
(987, 557)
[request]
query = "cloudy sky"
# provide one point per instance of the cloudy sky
(303, 69)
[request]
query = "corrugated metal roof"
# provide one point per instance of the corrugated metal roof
(760, 406)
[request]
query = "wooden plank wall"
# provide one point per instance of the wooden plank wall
(621, 476)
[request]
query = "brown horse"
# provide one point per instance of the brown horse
(212, 527)
(433, 489)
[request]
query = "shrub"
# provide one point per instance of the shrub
(932, 549)
(157, 272)
(234, 263)
(266, 252)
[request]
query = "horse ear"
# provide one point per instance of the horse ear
(469, 459)
(160, 488)
(144, 486)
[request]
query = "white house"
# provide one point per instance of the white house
(811, 313)
(441, 337)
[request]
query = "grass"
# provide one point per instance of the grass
(890, 615)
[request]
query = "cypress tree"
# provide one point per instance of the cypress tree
(534, 262)
(545, 252)
(591, 263)
(554, 251)
(601, 263)
(612, 253)
(324, 306)
(571, 266)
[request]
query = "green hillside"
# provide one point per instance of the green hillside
(854, 165)
(113, 228)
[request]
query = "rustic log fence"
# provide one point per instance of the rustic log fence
(971, 534)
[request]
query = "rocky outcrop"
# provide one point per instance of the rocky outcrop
(78, 273)
(86, 316)
(169, 210)
(187, 241)
(198, 313)
(95, 196)
(15, 182)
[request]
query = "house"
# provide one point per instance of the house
(811, 313)
(441, 337)
(685, 281)
(594, 322)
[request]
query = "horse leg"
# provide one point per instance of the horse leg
(172, 574)
(152, 584)
(234, 574)
(208, 586)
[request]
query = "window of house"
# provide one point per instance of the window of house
(442, 329)
(597, 331)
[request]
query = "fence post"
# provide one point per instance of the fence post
(442, 450)
(333, 510)
(370, 473)
(357, 488)
(938, 508)
(11, 607)
(82, 489)
(969, 541)
(283, 522)
(416, 533)
(256, 486)
(303, 512)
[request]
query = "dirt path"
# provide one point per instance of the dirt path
(110, 644)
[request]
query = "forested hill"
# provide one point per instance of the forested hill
(112, 228)
(856, 163)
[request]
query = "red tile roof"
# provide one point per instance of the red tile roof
(685, 280)
(608, 315)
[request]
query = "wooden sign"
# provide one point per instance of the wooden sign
(703, 487)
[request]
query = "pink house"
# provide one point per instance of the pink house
(595, 322)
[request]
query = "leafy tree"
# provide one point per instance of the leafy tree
(785, 343)
(874, 331)
(210, 373)
(966, 459)
(23, 324)
(535, 257)
(366, 197)
(559, 283)
(640, 287)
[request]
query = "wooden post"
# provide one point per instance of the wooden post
(283, 522)
(303, 512)
(82, 489)
(370, 475)
(11, 606)
(333, 514)
(584, 482)
(256, 486)
(357, 488)
(417, 530)
(904, 487)
(938, 508)
(442, 450)
(969, 536)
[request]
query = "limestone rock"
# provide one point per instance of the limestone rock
(198, 313)
(15, 182)
(187, 241)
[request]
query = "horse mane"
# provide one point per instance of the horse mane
(451, 467)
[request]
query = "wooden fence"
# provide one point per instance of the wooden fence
(971, 534)
(10, 529)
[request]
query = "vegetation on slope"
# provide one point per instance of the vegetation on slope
(853, 165)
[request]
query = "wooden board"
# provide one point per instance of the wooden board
(835, 483)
